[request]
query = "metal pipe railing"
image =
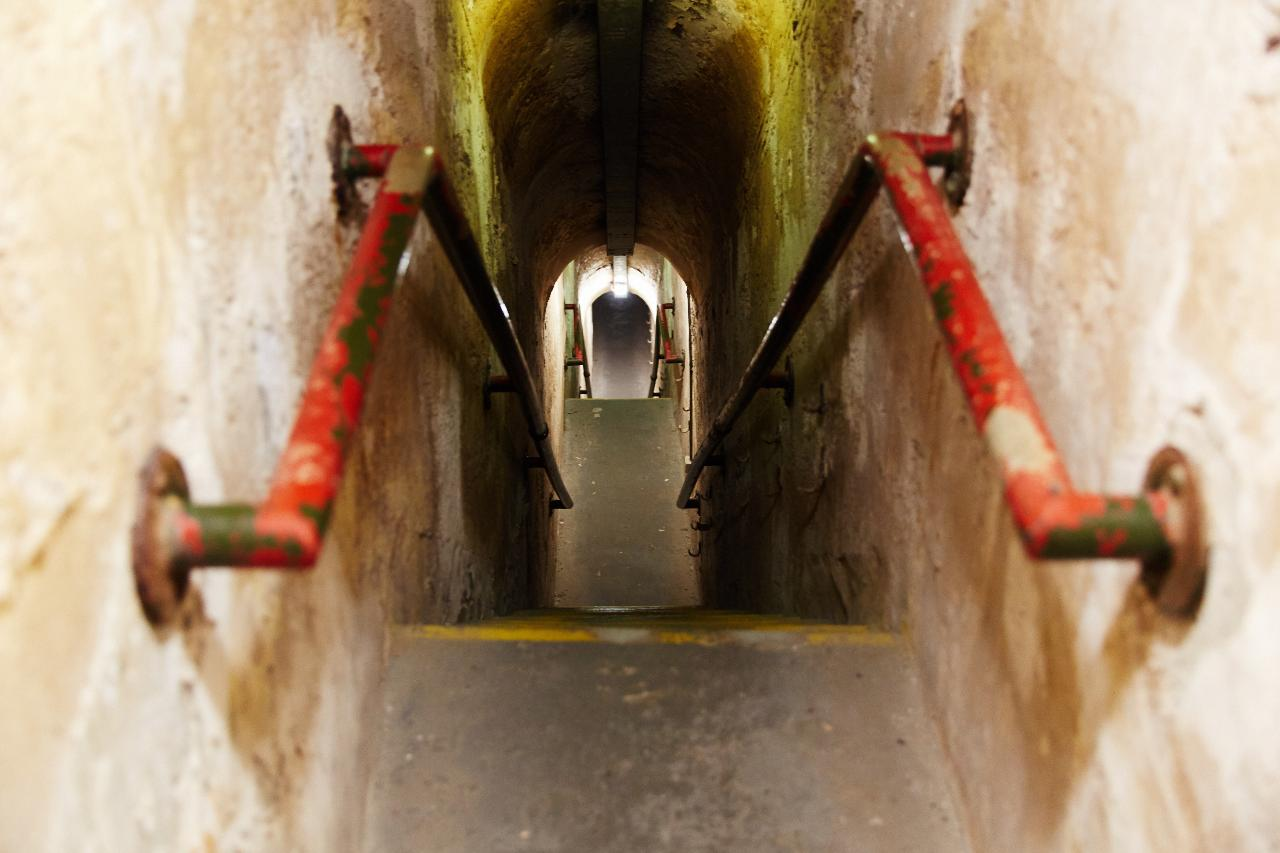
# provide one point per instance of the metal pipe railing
(1159, 525)
(454, 233)
(172, 536)
(663, 346)
(668, 337)
(656, 364)
(578, 354)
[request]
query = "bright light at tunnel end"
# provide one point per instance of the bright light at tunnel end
(620, 272)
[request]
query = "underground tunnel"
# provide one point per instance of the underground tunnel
(594, 425)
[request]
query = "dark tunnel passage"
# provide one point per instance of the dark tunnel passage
(622, 329)
(700, 114)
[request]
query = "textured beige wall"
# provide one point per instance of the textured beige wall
(1122, 218)
(168, 256)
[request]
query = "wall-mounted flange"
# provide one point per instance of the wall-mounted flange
(161, 580)
(1176, 579)
(339, 144)
(959, 170)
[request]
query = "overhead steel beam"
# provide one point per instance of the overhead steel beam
(620, 23)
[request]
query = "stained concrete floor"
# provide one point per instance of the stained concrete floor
(625, 542)
(648, 726)
(710, 732)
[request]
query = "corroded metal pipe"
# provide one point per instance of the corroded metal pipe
(578, 356)
(1160, 525)
(367, 161)
(664, 326)
(172, 536)
(1054, 519)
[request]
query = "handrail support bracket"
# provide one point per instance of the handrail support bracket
(958, 171)
(495, 383)
(782, 380)
(1175, 578)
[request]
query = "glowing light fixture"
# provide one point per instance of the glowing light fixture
(620, 288)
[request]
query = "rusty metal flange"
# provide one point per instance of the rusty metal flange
(160, 580)
(339, 143)
(1176, 578)
(955, 180)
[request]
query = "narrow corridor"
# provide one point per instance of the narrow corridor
(626, 718)
(582, 426)
(629, 544)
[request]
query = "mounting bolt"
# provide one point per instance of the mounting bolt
(715, 460)
(159, 576)
(1176, 578)
(959, 171)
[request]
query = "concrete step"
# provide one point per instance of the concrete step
(673, 729)
(671, 625)
(624, 542)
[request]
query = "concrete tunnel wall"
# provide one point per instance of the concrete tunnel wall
(1121, 219)
(1129, 270)
(170, 253)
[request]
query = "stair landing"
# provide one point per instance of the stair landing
(625, 541)
(675, 729)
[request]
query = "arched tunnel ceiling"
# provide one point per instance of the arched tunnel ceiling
(648, 261)
(700, 115)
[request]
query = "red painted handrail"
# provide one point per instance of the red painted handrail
(367, 161)
(663, 346)
(171, 535)
(578, 350)
(1054, 519)
(664, 326)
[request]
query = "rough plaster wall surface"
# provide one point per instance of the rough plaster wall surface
(1119, 218)
(557, 383)
(169, 256)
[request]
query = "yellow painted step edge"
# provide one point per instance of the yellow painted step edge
(811, 635)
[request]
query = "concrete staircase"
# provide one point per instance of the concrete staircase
(644, 729)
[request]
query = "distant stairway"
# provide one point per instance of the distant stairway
(626, 541)
(654, 729)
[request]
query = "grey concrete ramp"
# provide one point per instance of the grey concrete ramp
(673, 732)
(624, 542)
